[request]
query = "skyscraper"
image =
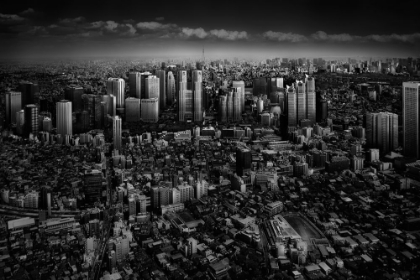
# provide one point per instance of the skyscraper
(382, 131)
(291, 106)
(116, 87)
(161, 74)
(274, 85)
(237, 113)
(150, 110)
(310, 100)
(240, 84)
(301, 100)
(64, 118)
(260, 86)
(223, 108)
(143, 77)
(31, 120)
(93, 185)
(185, 98)
(243, 160)
(28, 91)
(74, 95)
(152, 87)
(117, 127)
(13, 105)
(20, 122)
(134, 83)
(411, 118)
(230, 106)
(171, 88)
(132, 109)
(197, 80)
(321, 108)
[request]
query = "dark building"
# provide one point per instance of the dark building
(243, 160)
(31, 120)
(93, 185)
(260, 86)
(28, 91)
(337, 164)
(321, 109)
(74, 94)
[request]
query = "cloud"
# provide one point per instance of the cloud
(284, 37)
(323, 36)
(153, 25)
(228, 35)
(160, 19)
(27, 12)
(405, 38)
(10, 19)
(193, 32)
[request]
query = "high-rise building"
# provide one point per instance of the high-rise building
(171, 88)
(64, 118)
(382, 131)
(240, 84)
(274, 85)
(291, 106)
(13, 105)
(150, 110)
(321, 108)
(134, 83)
(237, 113)
(152, 87)
(259, 86)
(116, 87)
(117, 127)
(223, 108)
(31, 120)
(74, 95)
(132, 109)
(28, 91)
(243, 160)
(161, 74)
(185, 98)
(230, 106)
(301, 100)
(93, 185)
(20, 122)
(143, 77)
(197, 80)
(186, 192)
(411, 119)
(310, 100)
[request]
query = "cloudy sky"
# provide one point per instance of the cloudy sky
(173, 29)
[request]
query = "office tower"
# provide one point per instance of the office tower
(93, 185)
(243, 160)
(411, 119)
(301, 100)
(20, 122)
(104, 114)
(291, 106)
(259, 86)
(111, 101)
(223, 115)
(274, 85)
(185, 99)
(28, 91)
(31, 120)
(171, 88)
(13, 105)
(117, 127)
(150, 110)
(382, 131)
(47, 124)
(321, 108)
(260, 105)
(266, 119)
(152, 87)
(132, 109)
(237, 113)
(74, 95)
(64, 118)
(143, 77)
(240, 84)
(230, 105)
(116, 87)
(134, 83)
(197, 87)
(161, 74)
(310, 99)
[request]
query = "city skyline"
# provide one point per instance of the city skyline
(147, 30)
